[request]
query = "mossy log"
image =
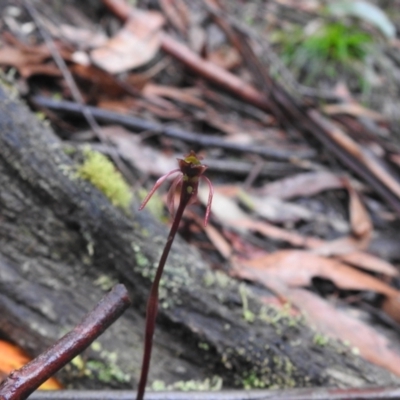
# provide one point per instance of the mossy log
(62, 243)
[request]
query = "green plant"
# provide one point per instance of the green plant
(328, 47)
(338, 42)
(190, 171)
(209, 384)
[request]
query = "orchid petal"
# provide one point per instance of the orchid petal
(210, 197)
(171, 194)
(159, 182)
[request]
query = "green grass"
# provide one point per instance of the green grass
(338, 43)
(329, 50)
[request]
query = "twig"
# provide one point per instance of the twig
(139, 124)
(21, 383)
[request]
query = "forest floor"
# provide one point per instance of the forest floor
(295, 108)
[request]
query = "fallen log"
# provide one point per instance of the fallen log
(62, 244)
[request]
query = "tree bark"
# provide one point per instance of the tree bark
(62, 243)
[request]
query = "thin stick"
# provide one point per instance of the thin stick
(139, 124)
(21, 383)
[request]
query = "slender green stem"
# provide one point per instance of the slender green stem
(152, 304)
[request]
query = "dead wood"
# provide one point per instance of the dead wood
(62, 243)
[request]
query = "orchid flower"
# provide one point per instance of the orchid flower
(190, 171)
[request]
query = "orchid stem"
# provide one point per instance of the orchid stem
(191, 170)
(152, 304)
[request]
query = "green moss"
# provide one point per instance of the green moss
(100, 171)
(204, 346)
(105, 282)
(216, 278)
(78, 363)
(280, 315)
(175, 275)
(106, 372)
(209, 384)
(252, 381)
(68, 149)
(320, 339)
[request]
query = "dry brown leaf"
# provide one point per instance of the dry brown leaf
(357, 258)
(231, 215)
(276, 210)
(224, 208)
(134, 45)
(122, 105)
(22, 60)
(158, 106)
(101, 83)
(352, 147)
(333, 323)
(163, 108)
(216, 120)
(306, 184)
(391, 306)
(12, 357)
(220, 243)
(213, 234)
(29, 59)
(361, 227)
(307, 5)
(297, 268)
(361, 224)
(183, 95)
(226, 57)
(80, 37)
(354, 109)
(339, 247)
(142, 157)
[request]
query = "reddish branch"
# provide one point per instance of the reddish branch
(21, 383)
